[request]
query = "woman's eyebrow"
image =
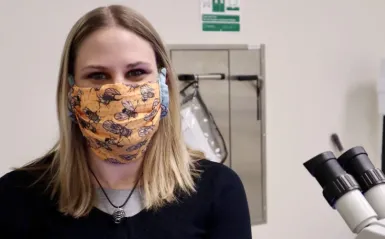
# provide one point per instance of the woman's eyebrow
(100, 67)
(138, 63)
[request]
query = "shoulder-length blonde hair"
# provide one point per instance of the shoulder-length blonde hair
(168, 165)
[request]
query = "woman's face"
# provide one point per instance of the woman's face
(114, 55)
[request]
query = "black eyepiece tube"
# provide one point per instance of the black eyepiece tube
(331, 176)
(357, 163)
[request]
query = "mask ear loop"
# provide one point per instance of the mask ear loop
(71, 82)
(164, 93)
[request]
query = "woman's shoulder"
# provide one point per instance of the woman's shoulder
(17, 178)
(218, 176)
(222, 188)
(215, 169)
(19, 181)
(28, 181)
(28, 177)
(22, 202)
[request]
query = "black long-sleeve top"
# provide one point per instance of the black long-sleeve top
(218, 210)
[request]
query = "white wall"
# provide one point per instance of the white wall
(322, 63)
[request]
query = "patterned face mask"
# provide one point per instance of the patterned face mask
(119, 120)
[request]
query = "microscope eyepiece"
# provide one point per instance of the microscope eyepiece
(357, 163)
(324, 167)
(331, 176)
(342, 191)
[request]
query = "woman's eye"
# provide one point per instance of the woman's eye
(97, 76)
(135, 73)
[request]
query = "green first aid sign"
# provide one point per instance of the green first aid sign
(220, 15)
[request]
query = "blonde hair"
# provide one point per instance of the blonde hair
(168, 165)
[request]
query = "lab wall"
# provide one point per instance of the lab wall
(322, 61)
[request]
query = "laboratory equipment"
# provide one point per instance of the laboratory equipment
(341, 180)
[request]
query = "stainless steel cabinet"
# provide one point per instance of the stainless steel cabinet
(237, 105)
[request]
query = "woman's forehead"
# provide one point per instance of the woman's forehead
(114, 45)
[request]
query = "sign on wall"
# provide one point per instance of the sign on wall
(220, 15)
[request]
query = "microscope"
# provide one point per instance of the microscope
(355, 188)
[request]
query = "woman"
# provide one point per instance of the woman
(121, 168)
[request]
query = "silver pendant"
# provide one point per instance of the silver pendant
(118, 215)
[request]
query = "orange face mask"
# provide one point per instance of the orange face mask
(118, 120)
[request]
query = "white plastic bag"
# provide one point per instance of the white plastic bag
(199, 129)
(196, 138)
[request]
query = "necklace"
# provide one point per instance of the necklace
(119, 212)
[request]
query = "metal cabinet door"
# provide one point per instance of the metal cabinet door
(236, 108)
(246, 129)
(215, 93)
